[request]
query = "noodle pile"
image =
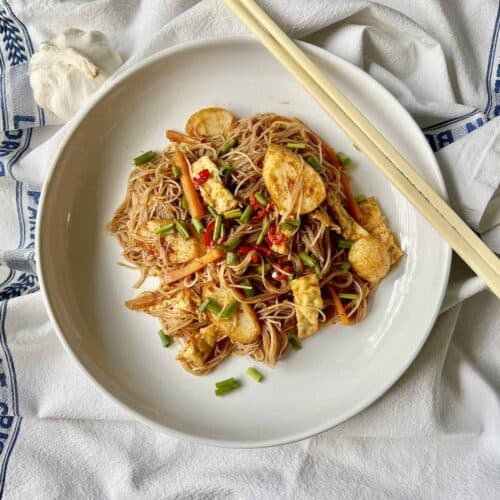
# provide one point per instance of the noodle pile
(154, 193)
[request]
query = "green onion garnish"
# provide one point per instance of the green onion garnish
(225, 170)
(263, 231)
(198, 226)
(212, 211)
(295, 343)
(256, 375)
(176, 172)
(230, 245)
(310, 261)
(231, 259)
(204, 305)
(360, 197)
(356, 147)
(350, 296)
(144, 158)
(343, 158)
(166, 229)
(166, 340)
(315, 164)
(227, 146)
(235, 213)
(217, 228)
(222, 232)
(229, 310)
(345, 266)
(295, 145)
(260, 198)
(184, 202)
(226, 382)
(263, 268)
(245, 216)
(248, 289)
(224, 389)
(290, 225)
(213, 307)
(345, 244)
(181, 227)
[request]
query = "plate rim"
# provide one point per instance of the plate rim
(107, 88)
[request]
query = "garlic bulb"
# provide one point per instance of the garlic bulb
(65, 71)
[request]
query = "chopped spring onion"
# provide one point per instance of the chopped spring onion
(181, 227)
(217, 228)
(263, 231)
(198, 226)
(343, 158)
(220, 391)
(295, 343)
(210, 305)
(231, 259)
(248, 289)
(315, 164)
(345, 243)
(230, 245)
(264, 268)
(295, 145)
(204, 305)
(260, 198)
(166, 229)
(222, 232)
(235, 213)
(176, 172)
(212, 211)
(360, 197)
(229, 310)
(345, 266)
(226, 382)
(350, 296)
(290, 225)
(310, 261)
(256, 375)
(184, 202)
(356, 147)
(225, 171)
(166, 340)
(245, 216)
(144, 158)
(227, 146)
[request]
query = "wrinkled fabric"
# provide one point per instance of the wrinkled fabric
(434, 434)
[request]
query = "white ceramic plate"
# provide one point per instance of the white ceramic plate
(340, 370)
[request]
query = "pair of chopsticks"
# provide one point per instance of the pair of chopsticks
(394, 166)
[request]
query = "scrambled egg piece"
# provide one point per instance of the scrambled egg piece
(213, 191)
(178, 249)
(369, 258)
(243, 326)
(308, 301)
(199, 348)
(324, 218)
(281, 171)
(350, 229)
(209, 122)
(374, 223)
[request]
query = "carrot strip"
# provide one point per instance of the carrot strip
(174, 136)
(339, 306)
(193, 199)
(195, 265)
(352, 204)
(331, 155)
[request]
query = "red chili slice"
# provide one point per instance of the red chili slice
(201, 177)
(209, 231)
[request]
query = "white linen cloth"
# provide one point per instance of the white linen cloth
(435, 434)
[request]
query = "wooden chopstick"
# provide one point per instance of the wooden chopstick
(396, 168)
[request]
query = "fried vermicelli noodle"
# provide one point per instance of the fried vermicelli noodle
(251, 297)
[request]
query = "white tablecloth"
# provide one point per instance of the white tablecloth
(435, 434)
